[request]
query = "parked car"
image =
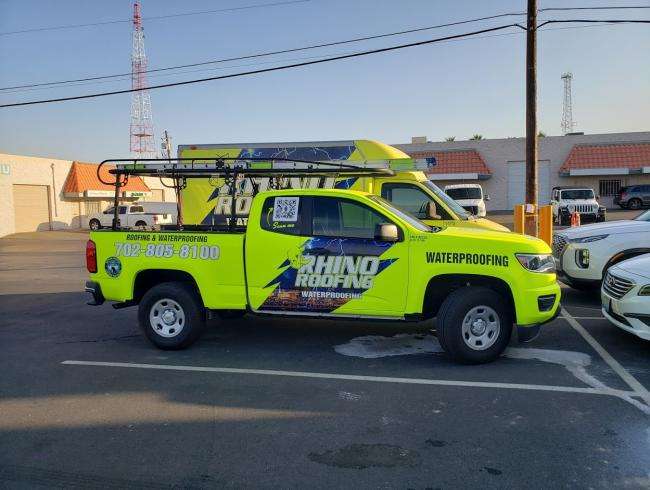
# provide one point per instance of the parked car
(625, 296)
(469, 196)
(582, 200)
(584, 254)
(633, 196)
(136, 215)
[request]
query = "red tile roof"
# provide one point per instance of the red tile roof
(629, 155)
(83, 177)
(454, 162)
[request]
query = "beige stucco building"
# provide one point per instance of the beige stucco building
(38, 194)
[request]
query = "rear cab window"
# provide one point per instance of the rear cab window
(286, 214)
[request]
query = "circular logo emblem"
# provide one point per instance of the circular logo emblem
(113, 266)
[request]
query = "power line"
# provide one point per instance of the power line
(266, 70)
(595, 21)
(157, 17)
(272, 53)
(324, 60)
(623, 7)
(285, 60)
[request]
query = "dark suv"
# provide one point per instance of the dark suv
(633, 196)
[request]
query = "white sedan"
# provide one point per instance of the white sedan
(584, 253)
(625, 295)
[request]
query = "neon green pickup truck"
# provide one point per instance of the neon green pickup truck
(335, 254)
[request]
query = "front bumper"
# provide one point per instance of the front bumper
(526, 333)
(95, 289)
(630, 313)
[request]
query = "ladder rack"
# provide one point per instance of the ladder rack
(232, 169)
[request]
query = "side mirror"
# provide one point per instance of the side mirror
(387, 232)
(432, 211)
(486, 197)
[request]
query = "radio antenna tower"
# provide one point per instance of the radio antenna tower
(567, 112)
(142, 140)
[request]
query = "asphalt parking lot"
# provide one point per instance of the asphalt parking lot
(86, 402)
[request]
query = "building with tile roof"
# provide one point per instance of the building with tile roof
(40, 194)
(603, 162)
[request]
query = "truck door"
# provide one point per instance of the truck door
(318, 255)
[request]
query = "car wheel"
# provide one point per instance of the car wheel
(141, 225)
(634, 204)
(474, 324)
(95, 225)
(172, 315)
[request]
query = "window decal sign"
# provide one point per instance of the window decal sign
(285, 209)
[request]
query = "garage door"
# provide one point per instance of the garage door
(31, 207)
(517, 183)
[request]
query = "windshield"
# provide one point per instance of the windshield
(578, 194)
(464, 193)
(409, 218)
(456, 208)
(643, 216)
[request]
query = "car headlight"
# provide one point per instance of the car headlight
(645, 290)
(589, 239)
(537, 262)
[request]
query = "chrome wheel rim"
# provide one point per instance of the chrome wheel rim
(481, 328)
(167, 318)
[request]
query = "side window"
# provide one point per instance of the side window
(332, 217)
(110, 210)
(136, 209)
(410, 199)
(285, 214)
(121, 210)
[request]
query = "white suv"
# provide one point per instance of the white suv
(582, 200)
(625, 296)
(584, 253)
(470, 196)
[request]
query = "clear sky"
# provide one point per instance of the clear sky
(448, 89)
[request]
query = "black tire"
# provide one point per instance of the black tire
(191, 308)
(634, 204)
(140, 224)
(94, 224)
(454, 310)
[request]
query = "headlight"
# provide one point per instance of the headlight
(645, 290)
(537, 262)
(589, 239)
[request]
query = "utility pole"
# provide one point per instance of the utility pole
(531, 112)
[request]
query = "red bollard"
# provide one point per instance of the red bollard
(575, 219)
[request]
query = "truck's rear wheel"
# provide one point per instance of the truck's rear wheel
(94, 224)
(474, 325)
(141, 225)
(171, 315)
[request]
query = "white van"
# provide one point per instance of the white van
(469, 196)
(136, 215)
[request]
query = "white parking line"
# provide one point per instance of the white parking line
(353, 377)
(631, 381)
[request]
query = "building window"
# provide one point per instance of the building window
(609, 187)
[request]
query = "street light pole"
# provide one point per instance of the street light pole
(531, 112)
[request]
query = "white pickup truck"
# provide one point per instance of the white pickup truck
(145, 215)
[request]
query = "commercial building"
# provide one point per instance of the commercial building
(51, 194)
(603, 162)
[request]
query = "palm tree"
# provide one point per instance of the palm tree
(477, 137)
(450, 138)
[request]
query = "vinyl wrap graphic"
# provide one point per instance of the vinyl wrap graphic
(222, 210)
(325, 273)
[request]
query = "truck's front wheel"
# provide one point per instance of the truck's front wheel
(171, 315)
(474, 325)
